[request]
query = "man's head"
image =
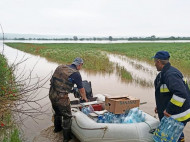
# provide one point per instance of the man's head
(160, 59)
(78, 62)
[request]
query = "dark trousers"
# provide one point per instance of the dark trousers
(62, 116)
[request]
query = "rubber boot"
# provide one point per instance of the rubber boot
(57, 123)
(67, 135)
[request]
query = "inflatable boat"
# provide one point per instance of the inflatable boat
(87, 129)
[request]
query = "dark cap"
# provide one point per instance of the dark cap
(162, 55)
(78, 61)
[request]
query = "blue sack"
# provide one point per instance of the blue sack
(169, 130)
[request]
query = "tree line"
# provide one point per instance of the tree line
(109, 38)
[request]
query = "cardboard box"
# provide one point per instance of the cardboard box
(119, 105)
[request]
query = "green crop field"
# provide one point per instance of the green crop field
(96, 59)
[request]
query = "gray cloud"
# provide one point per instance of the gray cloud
(96, 17)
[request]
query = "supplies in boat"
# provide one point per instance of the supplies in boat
(132, 116)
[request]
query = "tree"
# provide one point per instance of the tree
(153, 37)
(110, 38)
(75, 38)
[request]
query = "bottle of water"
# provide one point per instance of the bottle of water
(110, 117)
(161, 126)
(170, 129)
(90, 109)
(122, 118)
(130, 112)
(100, 119)
(142, 117)
(84, 110)
(135, 110)
(105, 119)
(159, 131)
(178, 130)
(116, 119)
(128, 119)
(133, 117)
(139, 113)
(165, 131)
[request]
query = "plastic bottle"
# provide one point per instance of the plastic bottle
(110, 117)
(168, 124)
(135, 110)
(130, 112)
(122, 118)
(84, 110)
(170, 129)
(178, 130)
(115, 119)
(91, 109)
(159, 131)
(128, 119)
(134, 117)
(161, 125)
(139, 113)
(100, 119)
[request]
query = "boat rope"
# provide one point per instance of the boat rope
(103, 128)
(148, 125)
(151, 129)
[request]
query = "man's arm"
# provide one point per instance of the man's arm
(77, 79)
(176, 86)
(166, 114)
(83, 94)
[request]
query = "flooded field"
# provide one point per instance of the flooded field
(102, 83)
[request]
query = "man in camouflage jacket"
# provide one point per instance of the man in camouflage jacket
(62, 83)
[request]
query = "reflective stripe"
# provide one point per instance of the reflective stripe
(179, 104)
(177, 98)
(164, 88)
(185, 80)
(178, 101)
(182, 116)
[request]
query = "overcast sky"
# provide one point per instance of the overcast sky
(96, 17)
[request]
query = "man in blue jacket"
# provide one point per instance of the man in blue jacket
(171, 91)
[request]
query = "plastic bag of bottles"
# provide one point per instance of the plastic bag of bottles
(134, 116)
(87, 110)
(169, 130)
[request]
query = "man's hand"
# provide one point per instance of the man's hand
(166, 114)
(83, 94)
(155, 110)
(86, 99)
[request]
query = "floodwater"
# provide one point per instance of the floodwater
(141, 87)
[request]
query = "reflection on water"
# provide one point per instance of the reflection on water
(102, 83)
(142, 73)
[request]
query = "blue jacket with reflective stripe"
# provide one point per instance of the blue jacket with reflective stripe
(167, 83)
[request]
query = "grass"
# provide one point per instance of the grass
(94, 59)
(97, 61)
(8, 130)
(124, 75)
(179, 52)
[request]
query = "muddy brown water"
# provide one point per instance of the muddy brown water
(141, 87)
